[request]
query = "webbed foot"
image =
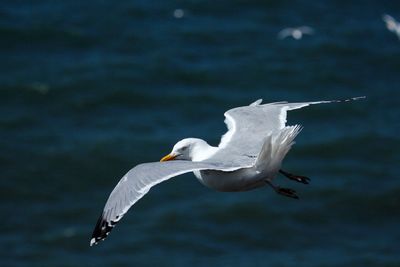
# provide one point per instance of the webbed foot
(297, 178)
(287, 192)
(283, 191)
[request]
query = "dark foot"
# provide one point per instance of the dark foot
(287, 192)
(297, 178)
(283, 191)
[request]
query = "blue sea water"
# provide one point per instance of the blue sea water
(89, 89)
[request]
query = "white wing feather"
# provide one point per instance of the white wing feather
(249, 125)
(136, 183)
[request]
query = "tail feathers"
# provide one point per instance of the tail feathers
(275, 148)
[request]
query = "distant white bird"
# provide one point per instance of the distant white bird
(391, 24)
(296, 33)
(178, 13)
(249, 156)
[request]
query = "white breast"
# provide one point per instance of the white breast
(240, 180)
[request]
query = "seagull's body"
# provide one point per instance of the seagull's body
(249, 156)
(265, 167)
(233, 181)
(297, 33)
(392, 24)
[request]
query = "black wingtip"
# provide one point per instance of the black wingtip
(101, 230)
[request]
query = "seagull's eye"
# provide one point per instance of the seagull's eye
(183, 149)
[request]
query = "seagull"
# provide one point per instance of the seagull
(391, 24)
(249, 156)
(296, 33)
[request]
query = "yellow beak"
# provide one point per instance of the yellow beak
(168, 157)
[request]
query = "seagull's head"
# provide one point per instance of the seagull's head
(187, 149)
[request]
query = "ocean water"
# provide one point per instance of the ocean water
(89, 89)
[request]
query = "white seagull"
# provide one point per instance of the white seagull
(391, 24)
(296, 33)
(249, 156)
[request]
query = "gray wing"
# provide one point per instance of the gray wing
(306, 29)
(285, 33)
(248, 127)
(136, 183)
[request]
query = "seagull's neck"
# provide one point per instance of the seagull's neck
(203, 151)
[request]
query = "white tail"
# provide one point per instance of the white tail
(275, 148)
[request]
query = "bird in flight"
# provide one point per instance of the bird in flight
(297, 33)
(249, 156)
(392, 24)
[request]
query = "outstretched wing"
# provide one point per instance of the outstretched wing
(285, 33)
(306, 30)
(136, 183)
(247, 128)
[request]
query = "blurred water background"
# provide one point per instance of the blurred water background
(88, 89)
